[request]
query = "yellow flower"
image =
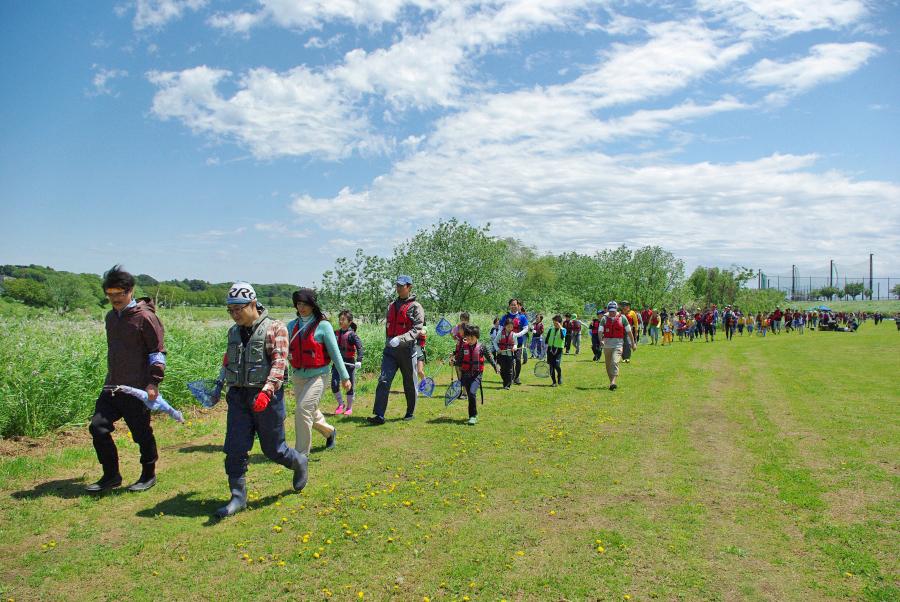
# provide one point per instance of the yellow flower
(521, 553)
(315, 554)
(360, 594)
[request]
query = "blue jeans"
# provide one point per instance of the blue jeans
(243, 423)
(392, 359)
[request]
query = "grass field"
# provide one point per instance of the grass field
(756, 469)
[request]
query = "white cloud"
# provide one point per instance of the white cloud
(305, 14)
(215, 234)
(281, 230)
(588, 201)
(156, 13)
(102, 80)
(825, 63)
(766, 18)
(295, 113)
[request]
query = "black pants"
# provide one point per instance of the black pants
(507, 368)
(519, 361)
(554, 357)
(470, 384)
(568, 341)
(110, 408)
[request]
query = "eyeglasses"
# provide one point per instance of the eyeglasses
(116, 295)
(236, 310)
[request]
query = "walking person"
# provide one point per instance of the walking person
(469, 359)
(515, 313)
(555, 340)
(615, 333)
(351, 348)
(405, 319)
(136, 357)
(311, 348)
(635, 321)
(255, 365)
(505, 345)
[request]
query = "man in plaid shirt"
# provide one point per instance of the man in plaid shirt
(255, 365)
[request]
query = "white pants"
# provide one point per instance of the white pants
(308, 416)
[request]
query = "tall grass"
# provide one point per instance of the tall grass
(53, 366)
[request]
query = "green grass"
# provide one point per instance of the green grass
(756, 469)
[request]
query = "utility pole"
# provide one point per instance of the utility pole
(831, 273)
(793, 280)
(871, 280)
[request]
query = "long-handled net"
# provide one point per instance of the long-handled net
(205, 390)
(426, 385)
(590, 308)
(454, 390)
(542, 369)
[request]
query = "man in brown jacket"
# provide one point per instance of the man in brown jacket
(136, 358)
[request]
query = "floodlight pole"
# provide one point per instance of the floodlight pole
(871, 280)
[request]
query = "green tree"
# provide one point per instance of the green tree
(830, 291)
(722, 287)
(854, 289)
(453, 265)
(71, 291)
(30, 292)
(896, 290)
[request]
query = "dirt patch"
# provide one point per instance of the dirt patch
(27, 446)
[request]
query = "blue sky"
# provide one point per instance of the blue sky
(260, 140)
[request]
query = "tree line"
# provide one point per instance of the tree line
(455, 266)
(39, 286)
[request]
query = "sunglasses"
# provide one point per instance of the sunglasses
(233, 311)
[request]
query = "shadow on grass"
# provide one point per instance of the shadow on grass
(448, 420)
(204, 449)
(183, 504)
(66, 489)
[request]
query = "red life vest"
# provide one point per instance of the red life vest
(348, 352)
(398, 320)
(576, 326)
(506, 341)
(305, 351)
(709, 318)
(421, 340)
(539, 329)
(615, 328)
(472, 359)
(595, 326)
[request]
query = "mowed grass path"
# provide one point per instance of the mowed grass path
(756, 469)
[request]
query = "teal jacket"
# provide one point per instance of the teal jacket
(324, 335)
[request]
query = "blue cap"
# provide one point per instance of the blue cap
(612, 306)
(404, 279)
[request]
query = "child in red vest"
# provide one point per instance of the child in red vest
(469, 362)
(351, 353)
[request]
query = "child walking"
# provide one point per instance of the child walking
(667, 332)
(506, 345)
(352, 354)
(555, 340)
(469, 360)
(537, 340)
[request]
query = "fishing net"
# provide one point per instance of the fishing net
(542, 370)
(454, 390)
(205, 390)
(444, 327)
(426, 386)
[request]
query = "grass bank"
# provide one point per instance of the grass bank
(756, 469)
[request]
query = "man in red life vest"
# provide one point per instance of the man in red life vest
(405, 319)
(615, 333)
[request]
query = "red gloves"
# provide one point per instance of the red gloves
(262, 400)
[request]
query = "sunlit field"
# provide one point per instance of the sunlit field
(752, 469)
